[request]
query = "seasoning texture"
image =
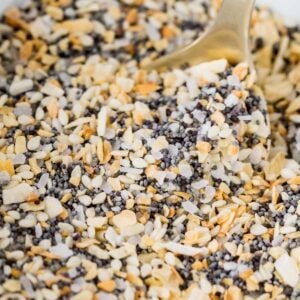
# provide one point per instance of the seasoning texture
(118, 183)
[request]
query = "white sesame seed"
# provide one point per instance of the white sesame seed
(19, 87)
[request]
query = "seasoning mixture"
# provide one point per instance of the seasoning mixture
(122, 184)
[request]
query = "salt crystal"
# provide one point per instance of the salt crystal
(80, 213)
(53, 207)
(99, 199)
(146, 270)
(233, 81)
(287, 229)
(110, 133)
(173, 150)
(23, 110)
(41, 26)
(287, 267)
(192, 86)
(256, 155)
(225, 132)
(73, 273)
(258, 229)
(157, 155)
(61, 250)
(210, 192)
(116, 264)
(43, 180)
(85, 200)
(259, 124)
(19, 87)
(139, 162)
(174, 128)
(199, 184)
(228, 266)
(111, 236)
(16, 194)
(295, 253)
(213, 132)
(199, 116)
(187, 119)
(231, 100)
(38, 230)
(152, 32)
(25, 120)
(28, 222)
(185, 170)
(4, 178)
(287, 173)
(19, 159)
(190, 207)
(26, 284)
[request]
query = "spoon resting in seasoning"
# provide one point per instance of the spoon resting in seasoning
(227, 37)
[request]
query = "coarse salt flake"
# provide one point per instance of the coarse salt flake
(258, 229)
(61, 250)
(287, 267)
(19, 87)
(16, 194)
(53, 207)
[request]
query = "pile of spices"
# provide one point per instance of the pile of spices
(117, 183)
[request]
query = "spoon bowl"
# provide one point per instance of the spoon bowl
(227, 37)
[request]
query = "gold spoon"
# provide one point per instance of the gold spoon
(227, 37)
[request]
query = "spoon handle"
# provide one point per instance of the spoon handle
(235, 15)
(231, 29)
(227, 37)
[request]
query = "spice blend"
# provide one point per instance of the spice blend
(117, 183)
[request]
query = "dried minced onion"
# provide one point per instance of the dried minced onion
(121, 183)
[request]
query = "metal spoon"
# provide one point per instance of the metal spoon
(227, 38)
